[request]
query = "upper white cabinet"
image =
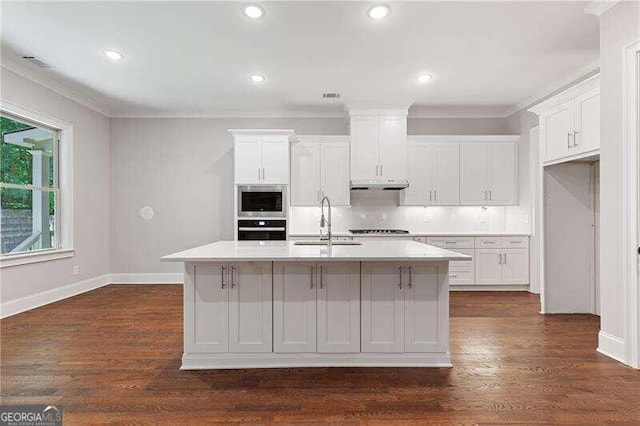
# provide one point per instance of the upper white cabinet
(433, 174)
(570, 123)
(488, 173)
(261, 156)
(378, 144)
(319, 167)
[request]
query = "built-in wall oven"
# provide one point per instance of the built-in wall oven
(263, 201)
(262, 229)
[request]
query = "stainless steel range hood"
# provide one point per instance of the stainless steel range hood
(379, 184)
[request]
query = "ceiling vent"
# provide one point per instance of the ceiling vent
(36, 61)
(330, 95)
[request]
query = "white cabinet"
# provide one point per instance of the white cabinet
(319, 167)
(232, 308)
(433, 174)
(402, 304)
(378, 145)
(570, 123)
(488, 173)
(338, 307)
(316, 307)
(502, 263)
(261, 156)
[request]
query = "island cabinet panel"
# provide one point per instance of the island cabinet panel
(426, 308)
(338, 307)
(250, 324)
(294, 307)
(207, 324)
(382, 307)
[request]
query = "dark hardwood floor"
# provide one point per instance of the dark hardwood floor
(112, 355)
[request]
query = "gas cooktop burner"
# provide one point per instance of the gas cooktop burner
(378, 231)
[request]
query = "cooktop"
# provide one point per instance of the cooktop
(378, 231)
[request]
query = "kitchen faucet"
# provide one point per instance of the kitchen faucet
(323, 220)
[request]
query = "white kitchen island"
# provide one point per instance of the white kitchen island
(260, 304)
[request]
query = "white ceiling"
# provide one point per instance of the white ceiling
(195, 58)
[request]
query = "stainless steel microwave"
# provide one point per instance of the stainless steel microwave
(262, 201)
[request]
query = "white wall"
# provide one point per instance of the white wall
(619, 27)
(91, 195)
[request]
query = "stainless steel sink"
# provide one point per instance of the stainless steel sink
(324, 243)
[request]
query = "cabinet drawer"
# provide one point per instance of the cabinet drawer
(451, 242)
(515, 242)
(489, 242)
(461, 276)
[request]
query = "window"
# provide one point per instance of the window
(34, 178)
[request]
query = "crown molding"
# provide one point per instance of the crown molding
(52, 84)
(576, 77)
(469, 112)
(235, 114)
(599, 7)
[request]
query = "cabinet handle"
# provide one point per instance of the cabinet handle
(233, 276)
(377, 170)
(499, 258)
(258, 173)
(222, 270)
(568, 139)
(505, 258)
(311, 275)
(435, 195)
(381, 173)
(575, 132)
(321, 280)
(430, 195)
(263, 173)
(490, 195)
(409, 283)
(400, 276)
(485, 195)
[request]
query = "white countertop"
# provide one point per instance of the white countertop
(247, 251)
(411, 234)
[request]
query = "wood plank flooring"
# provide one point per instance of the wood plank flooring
(112, 356)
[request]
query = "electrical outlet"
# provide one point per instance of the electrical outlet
(483, 217)
(428, 217)
(524, 219)
(75, 270)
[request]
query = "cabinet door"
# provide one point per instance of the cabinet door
(426, 308)
(515, 266)
(382, 307)
(557, 128)
(250, 307)
(275, 160)
(339, 307)
(365, 147)
(335, 173)
(420, 175)
(393, 147)
(294, 307)
(446, 174)
(587, 121)
(474, 173)
(488, 266)
(247, 160)
(305, 174)
(503, 173)
(208, 324)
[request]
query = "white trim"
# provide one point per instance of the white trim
(599, 7)
(379, 111)
(37, 76)
(580, 156)
(27, 303)
(26, 258)
(631, 203)
(262, 132)
(462, 138)
(479, 287)
(611, 346)
(275, 113)
(198, 361)
(150, 278)
(64, 172)
(568, 94)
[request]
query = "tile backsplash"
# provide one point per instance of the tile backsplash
(380, 209)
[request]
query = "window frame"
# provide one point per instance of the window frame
(63, 181)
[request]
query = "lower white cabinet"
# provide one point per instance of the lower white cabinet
(316, 307)
(402, 307)
(232, 308)
(502, 266)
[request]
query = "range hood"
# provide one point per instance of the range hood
(379, 184)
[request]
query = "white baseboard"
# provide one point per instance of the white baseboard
(27, 303)
(477, 287)
(162, 278)
(611, 346)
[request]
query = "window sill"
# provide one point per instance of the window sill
(34, 257)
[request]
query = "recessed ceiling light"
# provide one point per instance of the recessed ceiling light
(379, 11)
(424, 78)
(257, 78)
(253, 11)
(113, 55)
